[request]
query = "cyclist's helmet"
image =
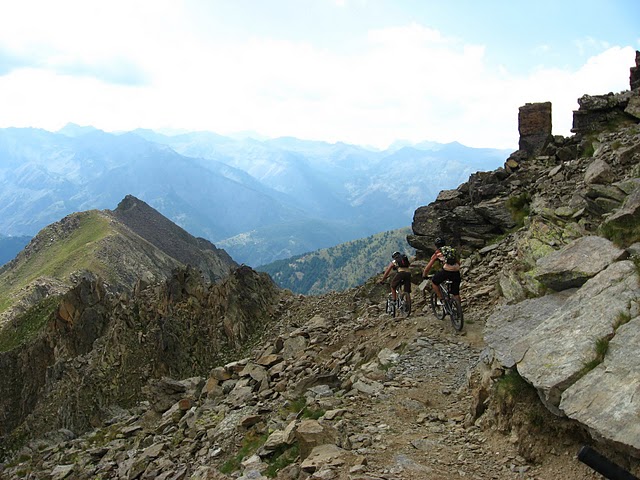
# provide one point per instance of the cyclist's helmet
(439, 242)
(396, 254)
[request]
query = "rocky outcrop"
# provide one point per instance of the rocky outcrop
(634, 74)
(534, 127)
(116, 344)
(563, 276)
(214, 263)
(552, 340)
(577, 262)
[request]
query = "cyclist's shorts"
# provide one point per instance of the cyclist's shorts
(455, 278)
(402, 277)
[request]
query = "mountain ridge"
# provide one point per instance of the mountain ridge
(352, 191)
(132, 243)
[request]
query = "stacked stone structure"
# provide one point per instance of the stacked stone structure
(534, 126)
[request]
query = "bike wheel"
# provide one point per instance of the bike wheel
(391, 307)
(438, 310)
(405, 303)
(457, 319)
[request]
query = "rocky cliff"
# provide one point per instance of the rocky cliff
(97, 351)
(559, 226)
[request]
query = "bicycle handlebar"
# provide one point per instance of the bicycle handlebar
(603, 465)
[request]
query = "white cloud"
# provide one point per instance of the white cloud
(406, 82)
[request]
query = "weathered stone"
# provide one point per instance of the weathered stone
(598, 171)
(294, 346)
(323, 455)
(629, 155)
(269, 360)
(311, 433)
(220, 373)
(552, 355)
(273, 442)
(633, 107)
(368, 387)
(574, 264)
(257, 372)
(606, 400)
(627, 216)
(534, 126)
(509, 324)
(634, 74)
(62, 471)
(446, 195)
(598, 111)
(611, 192)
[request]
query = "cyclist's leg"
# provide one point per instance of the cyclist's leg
(394, 283)
(407, 286)
(455, 285)
(437, 279)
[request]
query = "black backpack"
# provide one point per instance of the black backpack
(403, 261)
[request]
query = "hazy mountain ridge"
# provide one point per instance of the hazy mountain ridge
(225, 189)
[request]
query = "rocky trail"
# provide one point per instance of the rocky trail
(417, 425)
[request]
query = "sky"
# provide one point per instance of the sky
(366, 72)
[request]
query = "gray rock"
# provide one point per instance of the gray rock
(509, 324)
(574, 264)
(554, 353)
(607, 399)
(598, 172)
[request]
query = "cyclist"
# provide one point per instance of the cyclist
(399, 262)
(450, 269)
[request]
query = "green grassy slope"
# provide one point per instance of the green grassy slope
(341, 267)
(56, 253)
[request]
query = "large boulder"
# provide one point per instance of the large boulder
(552, 356)
(509, 324)
(572, 265)
(607, 400)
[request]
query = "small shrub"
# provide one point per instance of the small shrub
(282, 459)
(589, 150)
(312, 413)
(518, 206)
(511, 387)
(250, 444)
(297, 405)
(621, 319)
(623, 233)
(601, 346)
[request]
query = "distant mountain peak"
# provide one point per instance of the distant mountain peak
(74, 130)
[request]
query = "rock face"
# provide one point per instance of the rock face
(634, 75)
(214, 263)
(534, 126)
(576, 203)
(177, 328)
(574, 264)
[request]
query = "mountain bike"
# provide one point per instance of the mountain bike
(402, 303)
(448, 306)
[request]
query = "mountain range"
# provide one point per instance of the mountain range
(260, 200)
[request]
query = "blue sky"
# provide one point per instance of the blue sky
(367, 72)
